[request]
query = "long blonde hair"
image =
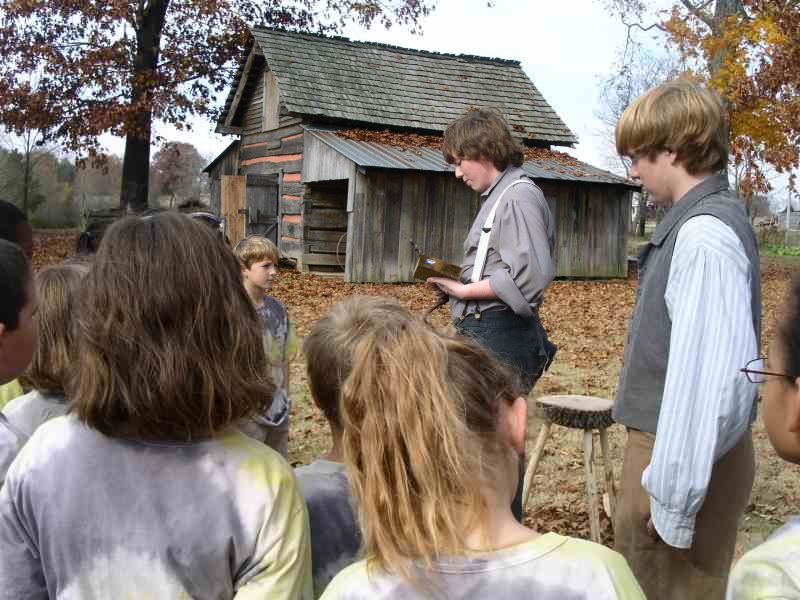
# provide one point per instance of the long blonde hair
(420, 414)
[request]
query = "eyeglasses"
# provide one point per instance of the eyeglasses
(755, 373)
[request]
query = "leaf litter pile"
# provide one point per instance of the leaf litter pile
(588, 321)
(412, 142)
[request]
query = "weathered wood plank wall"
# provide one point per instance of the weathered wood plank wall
(591, 222)
(392, 208)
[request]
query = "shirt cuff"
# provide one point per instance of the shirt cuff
(675, 528)
(507, 291)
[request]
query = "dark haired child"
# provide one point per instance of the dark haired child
(18, 303)
(258, 258)
(147, 487)
(57, 287)
(335, 536)
(772, 570)
(432, 429)
(14, 227)
(507, 254)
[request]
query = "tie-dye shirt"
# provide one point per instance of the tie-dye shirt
(335, 535)
(550, 567)
(280, 343)
(772, 570)
(30, 410)
(86, 516)
(11, 441)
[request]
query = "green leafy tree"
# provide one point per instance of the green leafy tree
(116, 65)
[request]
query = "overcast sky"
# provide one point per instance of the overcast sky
(565, 47)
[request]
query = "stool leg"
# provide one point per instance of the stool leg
(544, 432)
(609, 474)
(591, 485)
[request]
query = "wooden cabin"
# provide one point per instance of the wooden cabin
(336, 158)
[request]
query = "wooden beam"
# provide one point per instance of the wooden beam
(228, 130)
(240, 88)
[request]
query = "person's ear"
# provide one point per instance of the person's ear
(672, 156)
(517, 416)
(793, 407)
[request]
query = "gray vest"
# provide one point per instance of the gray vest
(641, 383)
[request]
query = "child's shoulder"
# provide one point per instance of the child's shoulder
(347, 581)
(597, 560)
(272, 303)
(771, 569)
(255, 456)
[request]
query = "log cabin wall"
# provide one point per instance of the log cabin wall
(280, 151)
(591, 221)
(392, 208)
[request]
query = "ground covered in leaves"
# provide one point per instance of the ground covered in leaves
(588, 321)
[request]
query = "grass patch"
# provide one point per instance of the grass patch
(779, 250)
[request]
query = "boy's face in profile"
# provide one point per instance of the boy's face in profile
(656, 175)
(479, 174)
(261, 274)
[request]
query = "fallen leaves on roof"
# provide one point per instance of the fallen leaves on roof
(415, 141)
(403, 140)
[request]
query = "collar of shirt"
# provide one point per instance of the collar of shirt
(710, 185)
(489, 190)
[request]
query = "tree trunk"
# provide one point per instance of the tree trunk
(26, 184)
(723, 10)
(136, 166)
(136, 162)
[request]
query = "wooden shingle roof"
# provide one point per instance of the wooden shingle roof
(337, 79)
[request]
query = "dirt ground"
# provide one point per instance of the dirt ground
(588, 321)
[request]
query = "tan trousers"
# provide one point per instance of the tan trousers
(699, 572)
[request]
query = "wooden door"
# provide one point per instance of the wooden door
(232, 206)
(262, 206)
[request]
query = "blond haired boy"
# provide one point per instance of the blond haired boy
(258, 258)
(688, 467)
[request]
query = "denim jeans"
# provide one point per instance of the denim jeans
(520, 344)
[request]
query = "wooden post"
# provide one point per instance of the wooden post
(544, 432)
(609, 475)
(591, 485)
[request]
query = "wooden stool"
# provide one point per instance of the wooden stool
(577, 412)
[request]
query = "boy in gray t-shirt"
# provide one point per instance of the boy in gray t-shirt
(335, 534)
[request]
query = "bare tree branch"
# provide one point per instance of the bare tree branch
(698, 12)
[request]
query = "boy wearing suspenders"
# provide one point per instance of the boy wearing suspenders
(507, 254)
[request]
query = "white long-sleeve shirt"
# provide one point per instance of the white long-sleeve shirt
(707, 404)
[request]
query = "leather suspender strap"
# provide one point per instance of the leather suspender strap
(483, 243)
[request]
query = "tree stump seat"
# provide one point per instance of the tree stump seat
(587, 413)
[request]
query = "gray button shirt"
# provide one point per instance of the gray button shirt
(519, 265)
